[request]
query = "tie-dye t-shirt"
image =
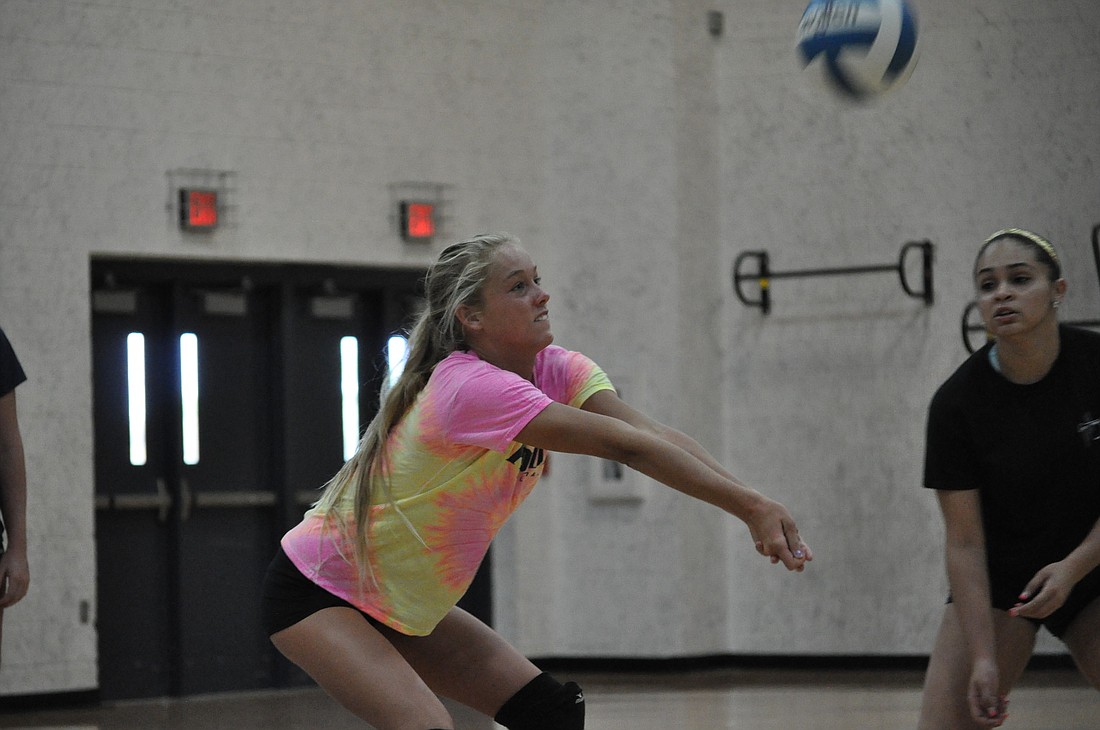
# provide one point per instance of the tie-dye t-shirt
(456, 473)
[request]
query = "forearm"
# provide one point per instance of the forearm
(693, 447)
(682, 464)
(969, 580)
(13, 476)
(13, 497)
(1085, 557)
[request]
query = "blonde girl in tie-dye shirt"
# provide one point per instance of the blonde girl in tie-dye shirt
(456, 474)
(362, 593)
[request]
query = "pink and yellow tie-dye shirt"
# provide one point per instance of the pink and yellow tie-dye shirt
(456, 474)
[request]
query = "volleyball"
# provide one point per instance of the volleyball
(862, 47)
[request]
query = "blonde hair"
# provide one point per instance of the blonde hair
(455, 279)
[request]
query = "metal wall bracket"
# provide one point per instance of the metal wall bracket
(763, 274)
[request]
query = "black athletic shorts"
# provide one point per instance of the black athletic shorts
(1085, 592)
(289, 597)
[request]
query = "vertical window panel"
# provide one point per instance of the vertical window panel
(189, 396)
(397, 352)
(135, 396)
(349, 393)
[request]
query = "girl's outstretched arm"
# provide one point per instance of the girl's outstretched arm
(608, 428)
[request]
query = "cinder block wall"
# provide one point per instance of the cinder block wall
(637, 156)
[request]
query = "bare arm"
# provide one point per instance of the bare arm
(14, 571)
(606, 402)
(969, 579)
(607, 427)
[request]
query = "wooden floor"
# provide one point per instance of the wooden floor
(1050, 699)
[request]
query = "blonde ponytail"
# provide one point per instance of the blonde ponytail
(456, 278)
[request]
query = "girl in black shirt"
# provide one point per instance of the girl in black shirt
(1014, 456)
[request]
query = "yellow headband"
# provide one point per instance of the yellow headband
(1028, 235)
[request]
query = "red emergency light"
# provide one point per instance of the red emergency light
(198, 209)
(417, 220)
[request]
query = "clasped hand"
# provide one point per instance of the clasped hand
(775, 536)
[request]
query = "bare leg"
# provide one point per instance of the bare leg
(1083, 640)
(944, 702)
(362, 670)
(467, 661)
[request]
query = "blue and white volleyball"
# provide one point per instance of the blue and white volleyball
(862, 47)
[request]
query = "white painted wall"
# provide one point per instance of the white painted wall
(637, 156)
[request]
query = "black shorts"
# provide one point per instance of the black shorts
(1085, 592)
(289, 597)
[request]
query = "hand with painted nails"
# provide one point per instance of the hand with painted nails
(1046, 592)
(988, 706)
(776, 537)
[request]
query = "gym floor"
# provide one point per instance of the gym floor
(755, 699)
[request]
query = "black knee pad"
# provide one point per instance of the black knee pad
(544, 704)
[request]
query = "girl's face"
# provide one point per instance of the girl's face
(1015, 293)
(512, 316)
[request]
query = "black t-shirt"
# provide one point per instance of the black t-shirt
(1038, 477)
(11, 374)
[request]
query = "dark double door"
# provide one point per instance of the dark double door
(222, 397)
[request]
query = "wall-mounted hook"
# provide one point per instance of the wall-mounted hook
(764, 275)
